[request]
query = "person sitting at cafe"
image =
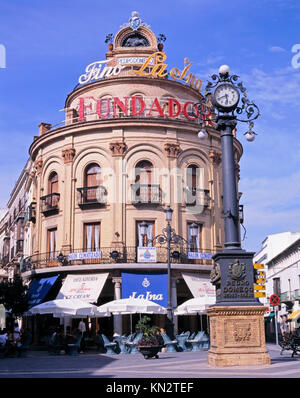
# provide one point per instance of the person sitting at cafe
(3, 341)
(58, 340)
(99, 342)
(11, 345)
(23, 342)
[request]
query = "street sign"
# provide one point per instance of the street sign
(259, 287)
(274, 299)
(258, 266)
(260, 280)
(259, 294)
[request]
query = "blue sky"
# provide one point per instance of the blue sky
(49, 42)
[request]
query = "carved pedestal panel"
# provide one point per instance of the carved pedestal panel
(237, 336)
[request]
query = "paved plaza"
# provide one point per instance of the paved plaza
(39, 364)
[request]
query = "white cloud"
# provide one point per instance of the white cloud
(271, 202)
(276, 49)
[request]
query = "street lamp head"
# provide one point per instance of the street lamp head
(143, 228)
(202, 134)
(250, 136)
(168, 212)
(224, 70)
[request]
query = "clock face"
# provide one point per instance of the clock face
(226, 96)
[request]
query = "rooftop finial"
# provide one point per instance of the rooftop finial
(135, 22)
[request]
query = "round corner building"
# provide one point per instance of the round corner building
(100, 183)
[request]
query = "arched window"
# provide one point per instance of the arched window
(92, 179)
(92, 175)
(135, 40)
(53, 183)
(143, 172)
(52, 201)
(143, 177)
(192, 178)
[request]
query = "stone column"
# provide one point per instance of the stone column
(67, 202)
(117, 318)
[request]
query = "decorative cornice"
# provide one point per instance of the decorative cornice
(38, 165)
(117, 148)
(234, 311)
(172, 150)
(215, 157)
(68, 154)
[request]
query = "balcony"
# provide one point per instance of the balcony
(30, 214)
(286, 297)
(296, 294)
(197, 197)
(92, 197)
(145, 194)
(50, 204)
(19, 247)
(5, 260)
(114, 255)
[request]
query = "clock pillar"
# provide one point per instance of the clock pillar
(237, 335)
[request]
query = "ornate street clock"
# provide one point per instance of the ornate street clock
(225, 97)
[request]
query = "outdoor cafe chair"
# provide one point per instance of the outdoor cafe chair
(132, 345)
(196, 342)
(170, 344)
(108, 345)
(181, 339)
(74, 348)
(121, 343)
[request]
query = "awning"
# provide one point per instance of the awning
(200, 286)
(39, 289)
(269, 316)
(294, 315)
(84, 287)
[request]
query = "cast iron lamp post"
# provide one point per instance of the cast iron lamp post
(233, 270)
(169, 236)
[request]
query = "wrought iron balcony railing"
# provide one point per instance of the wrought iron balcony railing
(92, 196)
(113, 255)
(50, 204)
(196, 197)
(296, 294)
(286, 296)
(145, 194)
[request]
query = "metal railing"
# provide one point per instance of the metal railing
(95, 195)
(286, 296)
(145, 193)
(50, 203)
(112, 255)
(296, 294)
(196, 196)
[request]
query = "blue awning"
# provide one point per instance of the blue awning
(38, 290)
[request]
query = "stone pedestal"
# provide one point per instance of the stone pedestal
(237, 336)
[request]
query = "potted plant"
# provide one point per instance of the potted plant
(160, 39)
(109, 40)
(149, 345)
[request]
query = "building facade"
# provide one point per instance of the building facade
(128, 148)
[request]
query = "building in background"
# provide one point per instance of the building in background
(128, 148)
(281, 256)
